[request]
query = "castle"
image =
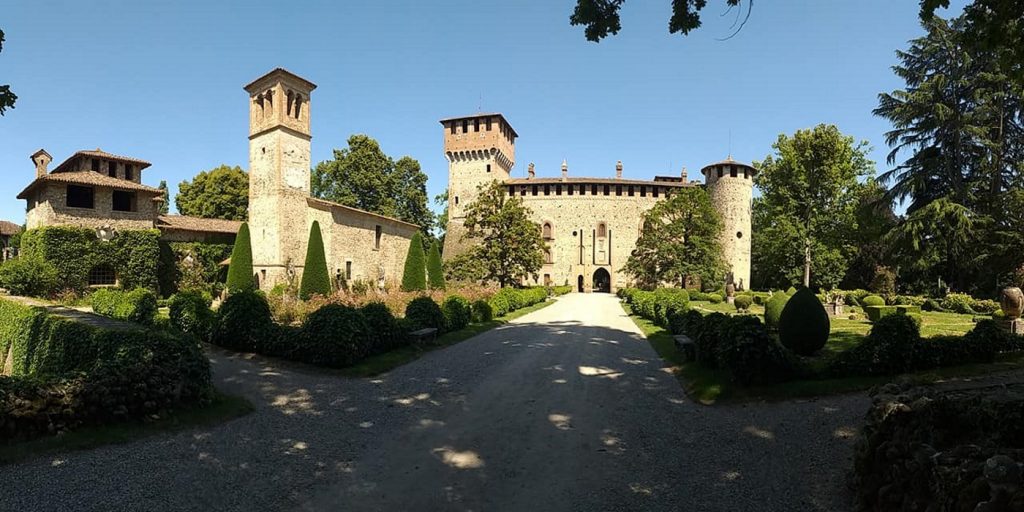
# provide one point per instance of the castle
(590, 225)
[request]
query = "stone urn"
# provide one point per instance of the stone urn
(1013, 302)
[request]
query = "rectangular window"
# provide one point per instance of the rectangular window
(123, 201)
(511, 190)
(522, 190)
(129, 173)
(348, 270)
(745, 175)
(488, 124)
(732, 171)
(593, 189)
(618, 190)
(451, 127)
(465, 126)
(719, 172)
(630, 191)
(547, 190)
(643, 191)
(534, 190)
(112, 169)
(376, 237)
(654, 191)
(569, 190)
(95, 165)
(476, 125)
(80, 197)
(558, 190)
(607, 190)
(488, 167)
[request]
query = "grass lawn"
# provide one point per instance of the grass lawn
(709, 386)
(222, 408)
(378, 364)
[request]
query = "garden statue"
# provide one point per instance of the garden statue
(1013, 306)
(730, 292)
(834, 303)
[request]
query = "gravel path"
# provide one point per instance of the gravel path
(567, 408)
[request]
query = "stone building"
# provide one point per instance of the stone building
(590, 225)
(8, 229)
(359, 245)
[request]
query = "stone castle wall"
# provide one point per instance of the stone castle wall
(733, 198)
(48, 209)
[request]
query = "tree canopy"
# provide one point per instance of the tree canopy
(680, 240)
(363, 176)
(220, 193)
(7, 97)
(165, 206)
(600, 18)
(507, 243)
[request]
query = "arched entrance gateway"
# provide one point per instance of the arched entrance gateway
(602, 281)
(579, 283)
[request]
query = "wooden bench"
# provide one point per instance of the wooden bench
(423, 336)
(686, 346)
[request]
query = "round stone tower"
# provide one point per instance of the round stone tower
(731, 187)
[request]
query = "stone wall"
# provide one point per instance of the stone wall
(48, 208)
(733, 198)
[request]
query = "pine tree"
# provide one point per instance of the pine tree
(240, 270)
(435, 274)
(315, 279)
(415, 276)
(164, 207)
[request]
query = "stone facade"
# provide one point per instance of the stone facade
(359, 245)
(590, 225)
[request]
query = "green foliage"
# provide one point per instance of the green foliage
(192, 266)
(414, 278)
(362, 176)
(165, 205)
(680, 239)
(958, 303)
(872, 300)
(315, 279)
(138, 305)
(190, 313)
(888, 349)
(28, 275)
(423, 312)
(457, 312)
(505, 240)
(334, 336)
(876, 313)
(220, 193)
(669, 303)
(773, 309)
(243, 320)
(804, 325)
(383, 332)
(508, 300)
(884, 282)
(435, 273)
(240, 271)
(7, 97)
(601, 18)
(73, 251)
(748, 352)
(743, 302)
(791, 291)
(715, 298)
(482, 311)
(465, 268)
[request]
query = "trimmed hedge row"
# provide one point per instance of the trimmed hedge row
(67, 374)
(508, 300)
(663, 306)
(138, 305)
(741, 345)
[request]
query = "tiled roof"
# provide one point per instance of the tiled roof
(88, 178)
(99, 153)
(598, 181)
(330, 204)
(8, 228)
(186, 223)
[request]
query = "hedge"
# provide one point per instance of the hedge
(138, 305)
(508, 300)
(67, 374)
(133, 254)
(876, 313)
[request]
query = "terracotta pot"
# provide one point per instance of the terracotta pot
(730, 290)
(1013, 302)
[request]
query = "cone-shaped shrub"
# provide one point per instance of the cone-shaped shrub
(773, 309)
(240, 270)
(315, 279)
(804, 324)
(435, 275)
(415, 276)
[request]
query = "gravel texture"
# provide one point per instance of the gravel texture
(567, 408)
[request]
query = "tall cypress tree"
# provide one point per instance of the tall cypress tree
(315, 279)
(435, 275)
(240, 270)
(415, 276)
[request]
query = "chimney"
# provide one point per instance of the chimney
(618, 169)
(530, 173)
(41, 159)
(565, 169)
(683, 174)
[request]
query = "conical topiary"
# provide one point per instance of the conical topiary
(240, 269)
(315, 279)
(804, 324)
(435, 274)
(415, 276)
(773, 309)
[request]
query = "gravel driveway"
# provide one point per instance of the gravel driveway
(567, 408)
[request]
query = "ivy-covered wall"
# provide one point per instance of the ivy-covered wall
(204, 273)
(74, 251)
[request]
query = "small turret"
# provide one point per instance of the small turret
(41, 159)
(565, 170)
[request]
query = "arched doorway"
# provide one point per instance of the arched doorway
(602, 281)
(579, 283)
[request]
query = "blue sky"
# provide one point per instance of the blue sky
(162, 80)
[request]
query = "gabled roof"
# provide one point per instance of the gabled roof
(331, 204)
(278, 73)
(87, 178)
(186, 223)
(99, 153)
(8, 228)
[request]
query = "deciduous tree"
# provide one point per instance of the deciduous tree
(220, 193)
(506, 241)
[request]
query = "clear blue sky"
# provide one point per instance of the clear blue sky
(162, 80)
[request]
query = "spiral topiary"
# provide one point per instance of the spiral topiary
(804, 324)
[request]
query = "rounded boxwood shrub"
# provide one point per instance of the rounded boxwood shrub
(804, 324)
(335, 336)
(743, 302)
(773, 309)
(499, 304)
(423, 312)
(872, 300)
(27, 275)
(383, 327)
(190, 313)
(715, 298)
(242, 320)
(457, 313)
(482, 311)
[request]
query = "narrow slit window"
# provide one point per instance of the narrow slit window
(376, 237)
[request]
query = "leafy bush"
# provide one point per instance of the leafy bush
(414, 278)
(715, 298)
(877, 312)
(499, 304)
(334, 336)
(888, 349)
(457, 312)
(482, 311)
(242, 321)
(854, 297)
(804, 324)
(932, 305)
(423, 312)
(190, 313)
(138, 305)
(383, 328)
(884, 281)
(749, 354)
(743, 302)
(27, 275)
(668, 302)
(958, 303)
(790, 291)
(985, 306)
(872, 300)
(561, 290)
(134, 255)
(315, 279)
(908, 300)
(773, 309)
(706, 336)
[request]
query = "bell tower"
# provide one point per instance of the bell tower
(279, 172)
(480, 149)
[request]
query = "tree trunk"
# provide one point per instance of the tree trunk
(807, 262)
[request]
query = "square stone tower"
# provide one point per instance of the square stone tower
(480, 149)
(279, 173)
